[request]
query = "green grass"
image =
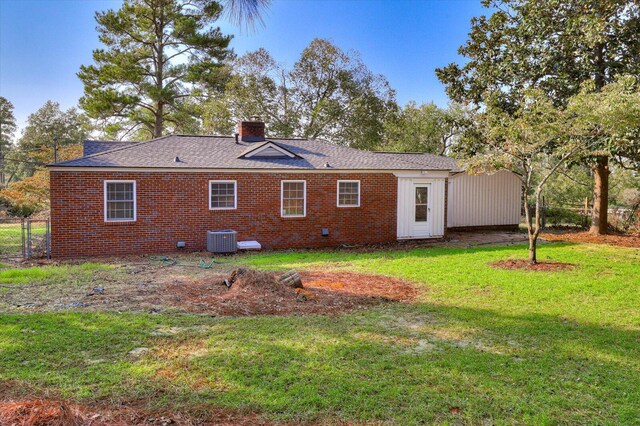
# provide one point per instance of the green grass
(504, 346)
(56, 274)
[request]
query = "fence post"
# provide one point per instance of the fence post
(22, 231)
(28, 238)
(585, 223)
(48, 239)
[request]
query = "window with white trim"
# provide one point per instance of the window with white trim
(294, 198)
(223, 194)
(119, 200)
(348, 193)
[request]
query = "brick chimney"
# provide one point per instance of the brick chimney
(251, 131)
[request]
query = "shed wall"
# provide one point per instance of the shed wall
(484, 200)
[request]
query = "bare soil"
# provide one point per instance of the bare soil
(621, 240)
(144, 286)
(48, 412)
(525, 265)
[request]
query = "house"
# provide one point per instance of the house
(145, 197)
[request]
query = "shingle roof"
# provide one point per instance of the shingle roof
(95, 147)
(221, 152)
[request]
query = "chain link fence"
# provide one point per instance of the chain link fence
(24, 238)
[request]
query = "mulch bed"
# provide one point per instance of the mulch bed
(47, 412)
(619, 240)
(259, 293)
(522, 264)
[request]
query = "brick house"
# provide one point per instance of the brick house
(125, 197)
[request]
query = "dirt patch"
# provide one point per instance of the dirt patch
(525, 265)
(619, 240)
(39, 412)
(259, 293)
(141, 285)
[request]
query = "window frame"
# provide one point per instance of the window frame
(235, 195)
(304, 202)
(338, 194)
(135, 201)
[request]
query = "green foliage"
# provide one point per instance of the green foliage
(611, 117)
(423, 128)
(7, 124)
(553, 45)
(7, 130)
(46, 128)
(556, 47)
(155, 52)
(533, 142)
(625, 188)
(558, 216)
(328, 93)
(569, 187)
(246, 13)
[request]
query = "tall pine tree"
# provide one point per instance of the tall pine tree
(155, 52)
(7, 130)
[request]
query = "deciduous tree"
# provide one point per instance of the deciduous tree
(328, 93)
(424, 128)
(47, 130)
(531, 142)
(555, 46)
(31, 194)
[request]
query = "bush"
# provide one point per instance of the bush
(558, 216)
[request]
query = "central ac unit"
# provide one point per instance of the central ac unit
(223, 241)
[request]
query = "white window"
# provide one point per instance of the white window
(294, 198)
(223, 194)
(348, 193)
(119, 200)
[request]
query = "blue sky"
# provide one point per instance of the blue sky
(44, 42)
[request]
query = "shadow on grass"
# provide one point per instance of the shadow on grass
(283, 259)
(407, 364)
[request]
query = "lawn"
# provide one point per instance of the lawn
(478, 345)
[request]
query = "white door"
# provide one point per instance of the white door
(421, 210)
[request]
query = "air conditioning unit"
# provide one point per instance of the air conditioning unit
(223, 241)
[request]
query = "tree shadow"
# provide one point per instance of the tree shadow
(408, 364)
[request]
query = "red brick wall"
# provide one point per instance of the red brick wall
(174, 207)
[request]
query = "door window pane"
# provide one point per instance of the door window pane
(421, 203)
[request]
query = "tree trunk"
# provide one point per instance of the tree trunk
(1, 163)
(533, 240)
(533, 223)
(159, 123)
(599, 219)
